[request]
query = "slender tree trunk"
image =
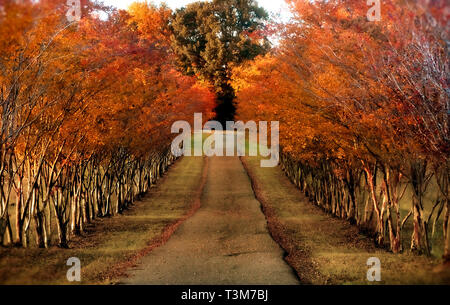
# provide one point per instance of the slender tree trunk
(19, 201)
(371, 176)
(446, 228)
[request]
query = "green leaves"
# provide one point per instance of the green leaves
(209, 37)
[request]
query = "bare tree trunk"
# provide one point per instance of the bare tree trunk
(419, 238)
(446, 228)
(371, 177)
(19, 201)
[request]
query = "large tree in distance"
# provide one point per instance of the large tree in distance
(209, 37)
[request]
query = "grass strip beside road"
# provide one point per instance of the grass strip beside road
(326, 250)
(111, 245)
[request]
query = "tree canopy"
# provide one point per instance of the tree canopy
(210, 37)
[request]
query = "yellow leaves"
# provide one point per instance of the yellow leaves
(242, 76)
(151, 21)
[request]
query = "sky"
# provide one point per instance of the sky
(272, 6)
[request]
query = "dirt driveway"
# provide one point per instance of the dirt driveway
(225, 242)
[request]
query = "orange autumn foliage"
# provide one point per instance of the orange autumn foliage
(363, 110)
(85, 112)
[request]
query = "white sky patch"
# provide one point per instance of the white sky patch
(274, 7)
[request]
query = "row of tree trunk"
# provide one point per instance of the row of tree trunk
(50, 202)
(370, 196)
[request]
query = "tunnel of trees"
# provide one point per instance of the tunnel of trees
(86, 108)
